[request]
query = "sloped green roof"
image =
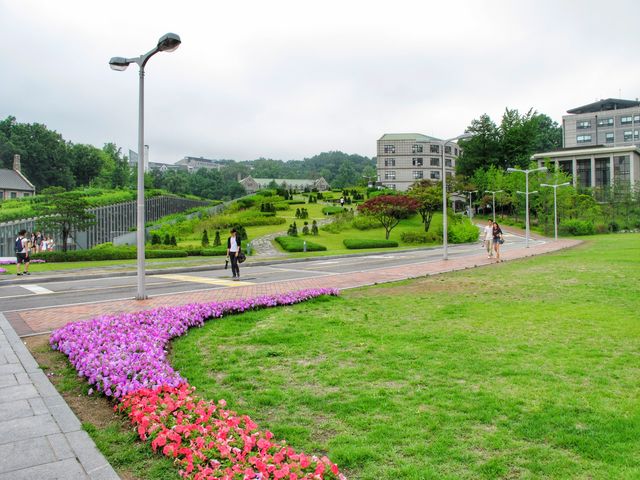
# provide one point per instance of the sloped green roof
(416, 137)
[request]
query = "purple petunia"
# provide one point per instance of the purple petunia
(119, 354)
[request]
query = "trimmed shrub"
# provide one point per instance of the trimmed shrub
(577, 227)
(419, 237)
(206, 252)
(296, 244)
(296, 202)
(332, 210)
(365, 222)
(357, 243)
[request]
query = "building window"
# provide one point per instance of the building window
(390, 175)
(636, 119)
(14, 195)
(1, 195)
(434, 175)
(603, 176)
(26, 194)
(621, 169)
(447, 149)
(418, 174)
(447, 162)
(389, 162)
(583, 124)
(416, 161)
(392, 186)
(449, 174)
(627, 135)
(605, 122)
(434, 148)
(583, 138)
(389, 149)
(626, 120)
(566, 166)
(416, 149)
(608, 137)
(583, 169)
(434, 162)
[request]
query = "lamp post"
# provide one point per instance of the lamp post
(493, 202)
(470, 193)
(526, 194)
(555, 204)
(167, 43)
(445, 233)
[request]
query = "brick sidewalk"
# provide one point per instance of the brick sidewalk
(30, 322)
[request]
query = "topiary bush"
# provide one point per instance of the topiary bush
(357, 243)
(296, 244)
(365, 222)
(420, 237)
(332, 210)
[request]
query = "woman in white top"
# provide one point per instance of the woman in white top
(233, 249)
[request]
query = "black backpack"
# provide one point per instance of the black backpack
(18, 245)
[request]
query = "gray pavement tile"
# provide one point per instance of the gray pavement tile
(60, 446)
(65, 418)
(25, 453)
(63, 470)
(104, 473)
(23, 378)
(42, 384)
(86, 451)
(38, 406)
(8, 380)
(9, 357)
(17, 392)
(53, 400)
(27, 427)
(11, 368)
(17, 409)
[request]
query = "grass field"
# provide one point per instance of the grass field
(524, 370)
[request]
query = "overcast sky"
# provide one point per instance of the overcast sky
(289, 79)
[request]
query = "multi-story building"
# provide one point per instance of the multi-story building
(405, 158)
(194, 164)
(601, 143)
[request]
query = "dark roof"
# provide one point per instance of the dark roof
(12, 180)
(602, 105)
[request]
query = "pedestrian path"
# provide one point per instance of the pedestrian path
(41, 438)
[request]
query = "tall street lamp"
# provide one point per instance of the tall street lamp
(470, 193)
(555, 204)
(526, 194)
(493, 202)
(167, 43)
(445, 233)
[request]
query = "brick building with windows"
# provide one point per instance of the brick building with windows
(601, 144)
(405, 158)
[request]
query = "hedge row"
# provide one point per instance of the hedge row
(332, 210)
(296, 244)
(355, 243)
(123, 254)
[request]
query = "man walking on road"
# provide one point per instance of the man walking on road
(487, 239)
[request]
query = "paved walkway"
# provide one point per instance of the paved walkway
(41, 438)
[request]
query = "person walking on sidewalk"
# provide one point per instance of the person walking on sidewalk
(497, 239)
(22, 253)
(233, 250)
(487, 239)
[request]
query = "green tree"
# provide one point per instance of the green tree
(205, 238)
(63, 212)
(86, 163)
(482, 149)
(429, 196)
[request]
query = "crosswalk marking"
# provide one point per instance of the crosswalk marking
(209, 281)
(37, 289)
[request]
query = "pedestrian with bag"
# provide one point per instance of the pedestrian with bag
(234, 245)
(498, 239)
(22, 253)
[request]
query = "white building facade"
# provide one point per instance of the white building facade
(406, 158)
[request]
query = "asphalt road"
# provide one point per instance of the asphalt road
(68, 291)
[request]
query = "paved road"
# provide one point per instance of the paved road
(66, 290)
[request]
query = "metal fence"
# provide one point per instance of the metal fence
(111, 221)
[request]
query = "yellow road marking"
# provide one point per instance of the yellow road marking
(210, 281)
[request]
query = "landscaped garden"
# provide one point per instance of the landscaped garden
(523, 370)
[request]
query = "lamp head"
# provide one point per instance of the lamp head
(512, 169)
(118, 63)
(169, 42)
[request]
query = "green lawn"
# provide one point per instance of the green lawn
(527, 369)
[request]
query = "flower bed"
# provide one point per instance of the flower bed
(124, 356)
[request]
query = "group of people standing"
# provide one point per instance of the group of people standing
(28, 243)
(493, 239)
